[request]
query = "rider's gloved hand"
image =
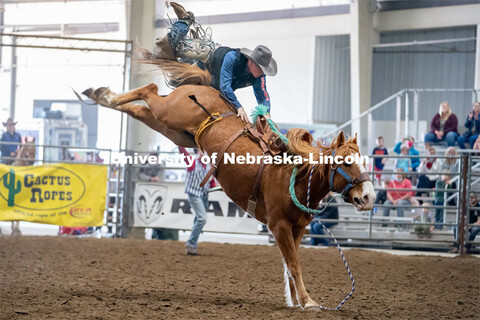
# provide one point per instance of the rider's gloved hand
(242, 114)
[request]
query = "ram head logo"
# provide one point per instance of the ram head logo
(149, 203)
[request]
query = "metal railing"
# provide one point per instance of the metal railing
(402, 106)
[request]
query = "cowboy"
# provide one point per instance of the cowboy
(9, 150)
(230, 68)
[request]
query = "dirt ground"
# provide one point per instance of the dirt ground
(64, 278)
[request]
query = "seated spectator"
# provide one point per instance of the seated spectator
(403, 163)
(409, 142)
(428, 165)
(472, 219)
(452, 165)
(423, 231)
(443, 127)
(473, 127)
(331, 212)
(398, 198)
(379, 163)
(381, 195)
(476, 145)
(442, 183)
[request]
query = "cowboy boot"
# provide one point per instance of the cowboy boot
(182, 14)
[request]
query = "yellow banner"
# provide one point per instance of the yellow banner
(71, 195)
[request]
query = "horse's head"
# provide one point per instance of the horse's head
(348, 176)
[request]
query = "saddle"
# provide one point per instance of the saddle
(274, 142)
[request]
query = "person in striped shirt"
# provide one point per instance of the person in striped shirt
(197, 197)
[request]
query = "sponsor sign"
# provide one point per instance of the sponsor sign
(159, 205)
(70, 195)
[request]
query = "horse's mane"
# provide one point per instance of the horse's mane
(178, 73)
(300, 142)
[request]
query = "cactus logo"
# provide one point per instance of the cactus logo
(13, 189)
(41, 188)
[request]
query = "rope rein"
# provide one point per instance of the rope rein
(313, 213)
(262, 110)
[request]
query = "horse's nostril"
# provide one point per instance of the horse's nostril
(356, 200)
(366, 198)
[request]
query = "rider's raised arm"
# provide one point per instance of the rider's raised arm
(226, 78)
(260, 90)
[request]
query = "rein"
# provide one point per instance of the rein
(315, 212)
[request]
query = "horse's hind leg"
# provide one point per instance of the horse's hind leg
(284, 236)
(105, 97)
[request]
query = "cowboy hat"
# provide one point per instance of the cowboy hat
(262, 56)
(9, 121)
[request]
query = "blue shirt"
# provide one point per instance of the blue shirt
(6, 149)
(226, 77)
(414, 162)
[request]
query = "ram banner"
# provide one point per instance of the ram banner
(70, 195)
(165, 205)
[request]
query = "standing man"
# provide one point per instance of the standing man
(231, 69)
(197, 197)
(9, 150)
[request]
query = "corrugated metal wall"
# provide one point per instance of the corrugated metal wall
(331, 93)
(445, 65)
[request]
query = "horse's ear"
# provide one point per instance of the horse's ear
(340, 139)
(307, 137)
(355, 138)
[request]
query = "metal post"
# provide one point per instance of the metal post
(463, 204)
(397, 118)
(415, 115)
(407, 115)
(13, 78)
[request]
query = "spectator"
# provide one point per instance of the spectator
(476, 145)
(398, 198)
(428, 165)
(197, 197)
(452, 165)
(443, 183)
(381, 195)
(473, 219)
(10, 135)
(409, 142)
(403, 163)
(473, 215)
(423, 231)
(443, 127)
(331, 212)
(379, 163)
(473, 127)
(152, 172)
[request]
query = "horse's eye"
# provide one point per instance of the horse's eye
(347, 164)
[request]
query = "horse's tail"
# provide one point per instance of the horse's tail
(177, 72)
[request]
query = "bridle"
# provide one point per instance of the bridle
(352, 182)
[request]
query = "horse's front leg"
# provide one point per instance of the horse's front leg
(286, 241)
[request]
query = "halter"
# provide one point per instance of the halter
(352, 182)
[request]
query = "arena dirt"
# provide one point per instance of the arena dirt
(64, 278)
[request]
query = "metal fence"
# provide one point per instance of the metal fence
(352, 228)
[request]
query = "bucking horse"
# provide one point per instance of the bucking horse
(196, 115)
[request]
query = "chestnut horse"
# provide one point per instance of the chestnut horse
(179, 118)
(25, 157)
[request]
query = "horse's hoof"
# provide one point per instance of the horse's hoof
(312, 307)
(102, 90)
(88, 93)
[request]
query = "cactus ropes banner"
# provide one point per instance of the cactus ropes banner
(70, 195)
